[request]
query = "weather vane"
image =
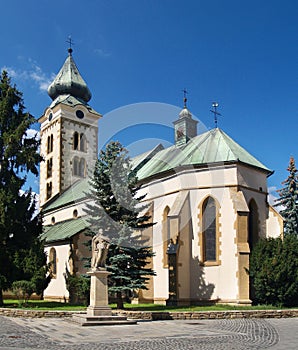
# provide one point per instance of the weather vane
(184, 97)
(70, 42)
(215, 105)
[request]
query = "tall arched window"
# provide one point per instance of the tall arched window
(49, 167)
(50, 143)
(83, 143)
(165, 235)
(253, 224)
(49, 190)
(209, 231)
(75, 166)
(76, 141)
(82, 170)
(79, 142)
(79, 167)
(53, 261)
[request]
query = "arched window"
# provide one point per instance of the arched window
(50, 143)
(53, 261)
(79, 142)
(49, 190)
(79, 167)
(165, 235)
(83, 143)
(253, 224)
(76, 141)
(82, 170)
(209, 241)
(49, 167)
(75, 166)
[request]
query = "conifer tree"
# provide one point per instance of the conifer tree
(21, 252)
(116, 210)
(289, 200)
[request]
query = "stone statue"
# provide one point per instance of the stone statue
(100, 248)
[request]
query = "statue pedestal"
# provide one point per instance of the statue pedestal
(98, 312)
(99, 302)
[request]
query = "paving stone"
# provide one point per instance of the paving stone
(238, 334)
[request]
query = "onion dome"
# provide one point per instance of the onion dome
(69, 82)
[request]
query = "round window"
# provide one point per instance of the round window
(80, 114)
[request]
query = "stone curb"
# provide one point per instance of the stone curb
(162, 315)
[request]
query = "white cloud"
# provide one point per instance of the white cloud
(32, 133)
(102, 53)
(272, 197)
(36, 196)
(34, 74)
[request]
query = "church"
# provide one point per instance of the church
(206, 195)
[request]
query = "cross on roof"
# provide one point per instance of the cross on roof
(215, 105)
(184, 97)
(70, 42)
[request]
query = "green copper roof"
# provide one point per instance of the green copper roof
(69, 81)
(138, 161)
(213, 146)
(63, 230)
(75, 193)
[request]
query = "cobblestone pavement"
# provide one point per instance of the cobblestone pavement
(240, 334)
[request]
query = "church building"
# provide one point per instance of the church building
(206, 195)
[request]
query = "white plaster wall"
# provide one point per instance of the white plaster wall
(65, 213)
(57, 287)
(223, 277)
(252, 178)
(274, 224)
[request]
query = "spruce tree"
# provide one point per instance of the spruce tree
(289, 200)
(21, 252)
(116, 210)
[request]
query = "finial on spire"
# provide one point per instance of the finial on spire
(184, 97)
(70, 42)
(215, 105)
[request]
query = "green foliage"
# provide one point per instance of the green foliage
(23, 290)
(289, 200)
(274, 271)
(78, 287)
(116, 210)
(19, 226)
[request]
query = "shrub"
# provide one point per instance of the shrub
(23, 290)
(78, 288)
(274, 271)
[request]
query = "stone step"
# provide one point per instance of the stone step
(85, 320)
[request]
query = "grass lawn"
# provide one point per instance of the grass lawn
(51, 305)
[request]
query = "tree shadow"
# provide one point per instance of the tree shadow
(201, 291)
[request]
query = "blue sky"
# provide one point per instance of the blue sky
(142, 53)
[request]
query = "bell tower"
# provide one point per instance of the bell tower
(185, 126)
(69, 129)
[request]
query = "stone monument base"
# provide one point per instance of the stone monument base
(85, 320)
(98, 312)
